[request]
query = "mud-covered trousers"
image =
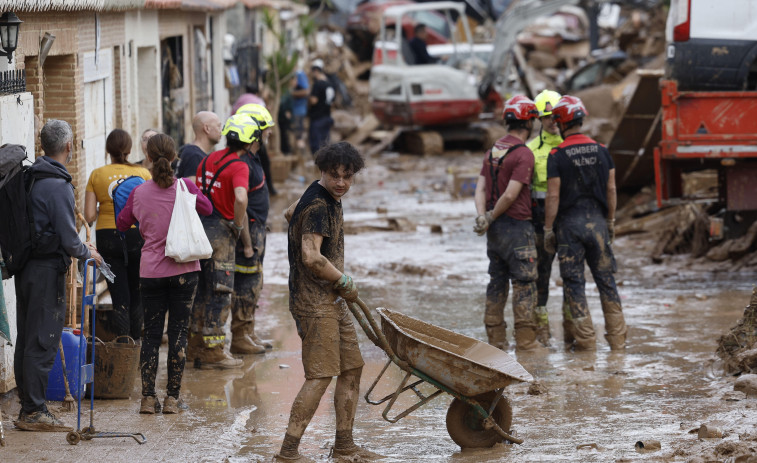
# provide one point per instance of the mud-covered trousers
(123, 255)
(512, 257)
(248, 280)
(582, 236)
(175, 296)
(216, 282)
(40, 311)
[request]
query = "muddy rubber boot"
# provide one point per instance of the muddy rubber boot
(583, 331)
(541, 319)
(525, 340)
(216, 358)
(497, 335)
(616, 342)
(242, 343)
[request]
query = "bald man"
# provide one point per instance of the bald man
(207, 128)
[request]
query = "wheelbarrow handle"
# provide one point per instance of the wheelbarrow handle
(373, 331)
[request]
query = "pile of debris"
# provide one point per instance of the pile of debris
(737, 347)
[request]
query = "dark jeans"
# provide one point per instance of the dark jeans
(248, 279)
(512, 256)
(174, 295)
(545, 259)
(123, 255)
(40, 311)
(318, 133)
(216, 283)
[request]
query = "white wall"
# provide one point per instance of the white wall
(16, 126)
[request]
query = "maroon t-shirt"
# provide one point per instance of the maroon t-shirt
(517, 165)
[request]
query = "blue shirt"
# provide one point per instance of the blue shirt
(300, 105)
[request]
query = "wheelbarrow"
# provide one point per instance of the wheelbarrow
(473, 372)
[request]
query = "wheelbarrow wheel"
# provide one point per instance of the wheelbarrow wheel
(466, 427)
(73, 437)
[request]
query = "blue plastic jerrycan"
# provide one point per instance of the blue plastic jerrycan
(56, 389)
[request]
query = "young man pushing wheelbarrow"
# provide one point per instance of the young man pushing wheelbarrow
(318, 293)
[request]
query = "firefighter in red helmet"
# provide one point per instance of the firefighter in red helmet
(580, 223)
(503, 203)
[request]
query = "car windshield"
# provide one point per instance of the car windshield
(432, 20)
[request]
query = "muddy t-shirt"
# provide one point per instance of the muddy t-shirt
(317, 212)
(518, 165)
(583, 167)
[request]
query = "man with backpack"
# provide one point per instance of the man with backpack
(503, 202)
(40, 284)
(224, 178)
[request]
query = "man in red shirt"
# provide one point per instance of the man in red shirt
(503, 203)
(224, 179)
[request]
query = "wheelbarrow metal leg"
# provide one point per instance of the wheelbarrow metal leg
(498, 395)
(378, 378)
(397, 393)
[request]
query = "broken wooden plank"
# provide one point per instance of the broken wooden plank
(368, 125)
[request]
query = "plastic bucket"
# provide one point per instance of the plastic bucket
(56, 388)
(116, 366)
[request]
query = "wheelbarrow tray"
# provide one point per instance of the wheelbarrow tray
(465, 365)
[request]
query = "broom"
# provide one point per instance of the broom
(68, 401)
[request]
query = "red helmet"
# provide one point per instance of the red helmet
(569, 108)
(520, 108)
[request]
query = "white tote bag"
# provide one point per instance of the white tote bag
(186, 240)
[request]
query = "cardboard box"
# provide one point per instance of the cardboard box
(464, 184)
(281, 166)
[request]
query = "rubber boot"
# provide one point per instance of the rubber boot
(615, 325)
(583, 331)
(242, 343)
(213, 356)
(567, 324)
(541, 319)
(497, 335)
(525, 340)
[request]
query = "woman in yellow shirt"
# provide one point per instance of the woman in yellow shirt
(121, 253)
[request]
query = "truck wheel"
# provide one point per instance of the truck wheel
(466, 427)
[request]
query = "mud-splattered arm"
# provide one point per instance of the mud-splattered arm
(315, 261)
(612, 195)
(506, 200)
(480, 197)
(552, 203)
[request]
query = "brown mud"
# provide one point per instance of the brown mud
(666, 383)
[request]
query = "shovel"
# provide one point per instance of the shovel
(68, 401)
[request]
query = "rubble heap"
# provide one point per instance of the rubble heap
(737, 347)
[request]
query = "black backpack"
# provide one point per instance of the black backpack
(17, 234)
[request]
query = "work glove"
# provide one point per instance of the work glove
(550, 240)
(482, 223)
(611, 229)
(346, 288)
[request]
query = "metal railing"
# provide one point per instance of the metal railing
(12, 82)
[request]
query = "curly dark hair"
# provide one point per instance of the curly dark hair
(331, 157)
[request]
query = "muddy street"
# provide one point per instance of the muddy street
(427, 263)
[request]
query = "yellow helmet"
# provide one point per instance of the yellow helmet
(541, 100)
(242, 127)
(259, 113)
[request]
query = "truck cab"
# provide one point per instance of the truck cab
(712, 45)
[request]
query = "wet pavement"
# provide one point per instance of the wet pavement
(661, 387)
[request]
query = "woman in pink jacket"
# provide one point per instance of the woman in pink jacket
(166, 285)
